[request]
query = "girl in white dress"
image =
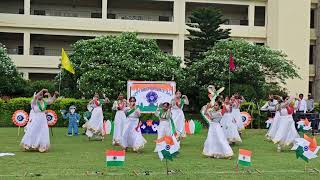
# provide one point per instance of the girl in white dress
(286, 132)
(216, 144)
(228, 123)
(236, 100)
(177, 113)
(276, 119)
(132, 137)
(120, 119)
(95, 124)
(37, 134)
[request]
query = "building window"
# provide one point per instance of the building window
(259, 44)
(259, 15)
(111, 16)
(41, 76)
(244, 22)
(311, 51)
(96, 15)
(38, 50)
(312, 18)
(21, 11)
(310, 87)
(20, 50)
(163, 18)
(39, 12)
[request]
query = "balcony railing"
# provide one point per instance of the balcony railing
(42, 51)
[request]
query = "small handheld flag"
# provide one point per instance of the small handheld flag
(167, 147)
(115, 158)
(244, 157)
(65, 62)
(306, 148)
(304, 125)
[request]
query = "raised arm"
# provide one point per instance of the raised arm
(106, 100)
(115, 106)
(53, 98)
(186, 100)
(37, 95)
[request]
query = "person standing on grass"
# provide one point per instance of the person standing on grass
(229, 124)
(132, 137)
(120, 119)
(177, 113)
(286, 132)
(236, 101)
(216, 144)
(74, 119)
(36, 137)
(95, 124)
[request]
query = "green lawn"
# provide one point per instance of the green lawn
(72, 157)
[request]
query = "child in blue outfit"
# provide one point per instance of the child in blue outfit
(74, 119)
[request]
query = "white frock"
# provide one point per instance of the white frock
(216, 144)
(178, 119)
(274, 126)
(230, 127)
(286, 132)
(237, 117)
(36, 136)
(132, 137)
(95, 123)
(119, 123)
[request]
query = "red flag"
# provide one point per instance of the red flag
(232, 67)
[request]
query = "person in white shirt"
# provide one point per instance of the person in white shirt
(301, 105)
(310, 103)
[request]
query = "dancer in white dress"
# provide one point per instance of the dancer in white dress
(95, 124)
(177, 113)
(120, 119)
(216, 144)
(132, 137)
(236, 100)
(228, 123)
(37, 134)
(286, 132)
(276, 119)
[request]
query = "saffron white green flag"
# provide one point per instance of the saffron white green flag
(115, 158)
(244, 157)
(306, 148)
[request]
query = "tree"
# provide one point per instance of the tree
(259, 70)
(12, 83)
(106, 63)
(205, 31)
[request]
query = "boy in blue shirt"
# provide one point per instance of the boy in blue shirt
(74, 119)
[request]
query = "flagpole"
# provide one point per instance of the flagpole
(167, 166)
(229, 82)
(60, 80)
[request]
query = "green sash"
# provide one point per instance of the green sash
(181, 104)
(131, 111)
(42, 109)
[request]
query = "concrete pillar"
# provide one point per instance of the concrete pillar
(104, 9)
(26, 43)
(316, 81)
(179, 11)
(251, 11)
(26, 7)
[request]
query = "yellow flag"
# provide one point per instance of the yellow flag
(65, 62)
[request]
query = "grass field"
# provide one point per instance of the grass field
(72, 157)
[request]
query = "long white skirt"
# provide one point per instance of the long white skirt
(95, 124)
(37, 134)
(132, 137)
(216, 144)
(274, 126)
(230, 128)
(286, 132)
(119, 121)
(179, 121)
(164, 129)
(238, 118)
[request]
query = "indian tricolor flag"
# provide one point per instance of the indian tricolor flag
(244, 157)
(115, 158)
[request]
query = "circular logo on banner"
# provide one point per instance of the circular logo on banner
(52, 117)
(20, 118)
(152, 97)
(246, 118)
